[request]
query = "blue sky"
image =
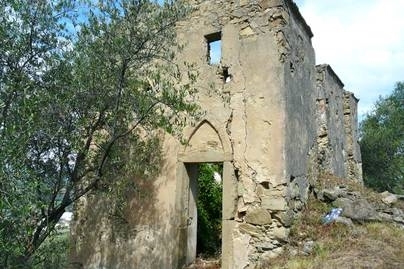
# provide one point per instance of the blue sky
(362, 40)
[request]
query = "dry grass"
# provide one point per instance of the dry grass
(371, 245)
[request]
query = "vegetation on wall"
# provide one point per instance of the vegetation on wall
(76, 78)
(382, 143)
(209, 206)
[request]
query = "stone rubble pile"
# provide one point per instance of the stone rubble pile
(358, 208)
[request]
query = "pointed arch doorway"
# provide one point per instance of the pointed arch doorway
(206, 144)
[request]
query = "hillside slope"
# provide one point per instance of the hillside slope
(368, 235)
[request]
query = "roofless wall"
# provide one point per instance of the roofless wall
(272, 118)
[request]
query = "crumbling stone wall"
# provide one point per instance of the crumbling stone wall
(273, 119)
(353, 161)
(337, 131)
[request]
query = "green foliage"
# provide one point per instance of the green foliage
(209, 206)
(52, 254)
(382, 143)
(70, 90)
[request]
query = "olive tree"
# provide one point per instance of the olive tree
(382, 143)
(77, 77)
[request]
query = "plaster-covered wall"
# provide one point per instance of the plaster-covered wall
(145, 236)
(250, 108)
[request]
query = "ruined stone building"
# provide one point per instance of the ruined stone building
(274, 120)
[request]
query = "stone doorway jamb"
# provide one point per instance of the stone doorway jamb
(229, 200)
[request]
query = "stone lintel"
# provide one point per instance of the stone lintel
(207, 156)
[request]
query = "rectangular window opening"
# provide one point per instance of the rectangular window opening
(214, 44)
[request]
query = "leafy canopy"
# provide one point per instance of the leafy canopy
(382, 143)
(71, 87)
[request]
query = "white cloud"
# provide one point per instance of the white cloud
(363, 41)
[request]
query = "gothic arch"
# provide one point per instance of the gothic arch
(206, 143)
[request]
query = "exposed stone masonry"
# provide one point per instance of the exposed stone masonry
(338, 149)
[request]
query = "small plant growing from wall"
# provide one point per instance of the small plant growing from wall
(209, 206)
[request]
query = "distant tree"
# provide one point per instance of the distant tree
(209, 207)
(71, 88)
(382, 143)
